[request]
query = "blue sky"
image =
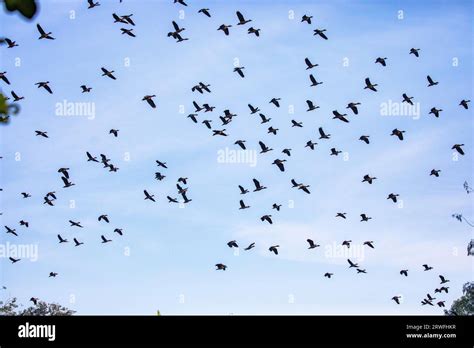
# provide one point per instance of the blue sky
(165, 260)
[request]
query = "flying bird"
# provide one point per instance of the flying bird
(407, 99)
(369, 85)
(463, 103)
(108, 73)
(443, 279)
(239, 71)
(393, 197)
(43, 34)
(92, 4)
(426, 267)
(128, 32)
(252, 30)
(267, 218)
(241, 19)
(320, 32)
(225, 29)
(311, 106)
(435, 111)
(367, 178)
(309, 65)
(306, 19)
(275, 101)
(353, 107)
(205, 11)
(76, 224)
(381, 61)
(45, 86)
(242, 190)
(242, 205)
(322, 134)
(16, 98)
(85, 89)
(340, 116)
(364, 217)
(220, 266)
(458, 148)
(10, 43)
(398, 133)
(258, 187)
(4, 78)
(148, 196)
(311, 243)
(370, 244)
(11, 231)
(279, 164)
(61, 239)
(274, 249)
(105, 240)
(431, 82)
(103, 217)
(365, 139)
(91, 158)
(415, 51)
(352, 264)
(314, 83)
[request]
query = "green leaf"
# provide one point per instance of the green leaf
(26, 7)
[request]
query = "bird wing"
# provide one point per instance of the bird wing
(4, 78)
(308, 62)
(46, 87)
(151, 102)
(175, 25)
(256, 182)
(42, 32)
(240, 17)
(311, 77)
(65, 181)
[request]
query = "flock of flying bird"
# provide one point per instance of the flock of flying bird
(226, 119)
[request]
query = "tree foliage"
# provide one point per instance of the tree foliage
(41, 308)
(27, 8)
(465, 304)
